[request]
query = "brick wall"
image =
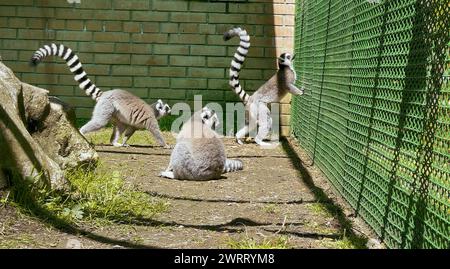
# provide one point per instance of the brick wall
(154, 48)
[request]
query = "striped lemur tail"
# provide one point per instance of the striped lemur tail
(238, 60)
(232, 165)
(74, 64)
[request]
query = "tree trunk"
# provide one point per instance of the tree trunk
(37, 134)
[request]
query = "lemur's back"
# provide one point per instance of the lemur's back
(275, 88)
(129, 109)
(199, 153)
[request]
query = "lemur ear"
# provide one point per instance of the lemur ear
(160, 101)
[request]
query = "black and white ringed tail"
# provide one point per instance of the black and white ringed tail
(238, 60)
(74, 65)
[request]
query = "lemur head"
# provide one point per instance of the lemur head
(209, 118)
(161, 108)
(286, 59)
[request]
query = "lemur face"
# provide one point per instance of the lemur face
(286, 59)
(163, 109)
(209, 118)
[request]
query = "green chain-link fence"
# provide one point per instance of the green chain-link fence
(376, 114)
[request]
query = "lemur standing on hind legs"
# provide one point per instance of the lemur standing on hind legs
(270, 92)
(126, 111)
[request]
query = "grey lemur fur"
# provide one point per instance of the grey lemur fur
(126, 111)
(199, 154)
(270, 92)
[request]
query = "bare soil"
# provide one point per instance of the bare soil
(274, 197)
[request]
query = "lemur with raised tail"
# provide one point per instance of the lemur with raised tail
(270, 92)
(124, 110)
(199, 154)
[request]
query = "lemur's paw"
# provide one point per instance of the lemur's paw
(264, 144)
(168, 146)
(239, 141)
(167, 174)
(267, 145)
(115, 144)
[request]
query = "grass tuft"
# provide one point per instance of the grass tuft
(141, 137)
(279, 242)
(350, 242)
(21, 241)
(322, 209)
(271, 208)
(97, 196)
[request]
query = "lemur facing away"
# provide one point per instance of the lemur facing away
(126, 111)
(199, 154)
(270, 92)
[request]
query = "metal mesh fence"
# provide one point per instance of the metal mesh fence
(376, 114)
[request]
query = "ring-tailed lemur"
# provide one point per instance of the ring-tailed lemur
(199, 154)
(126, 111)
(270, 92)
